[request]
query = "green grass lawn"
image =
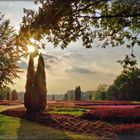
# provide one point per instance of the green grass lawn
(2, 108)
(67, 111)
(12, 128)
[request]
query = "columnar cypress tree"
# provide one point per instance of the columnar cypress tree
(8, 95)
(78, 93)
(28, 99)
(40, 85)
(35, 95)
(75, 93)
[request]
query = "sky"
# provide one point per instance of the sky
(73, 66)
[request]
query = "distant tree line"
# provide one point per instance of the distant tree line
(7, 94)
(126, 86)
(78, 94)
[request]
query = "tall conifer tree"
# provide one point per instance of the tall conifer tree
(78, 93)
(40, 85)
(29, 84)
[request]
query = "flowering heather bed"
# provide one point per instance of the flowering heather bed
(104, 130)
(105, 102)
(66, 122)
(90, 104)
(6, 102)
(127, 129)
(61, 104)
(123, 114)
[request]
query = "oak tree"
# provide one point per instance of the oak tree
(114, 22)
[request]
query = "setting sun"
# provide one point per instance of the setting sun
(30, 49)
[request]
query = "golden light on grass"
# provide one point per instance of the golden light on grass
(31, 49)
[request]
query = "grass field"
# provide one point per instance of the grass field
(18, 129)
(67, 111)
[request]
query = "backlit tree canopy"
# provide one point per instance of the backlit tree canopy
(9, 53)
(113, 22)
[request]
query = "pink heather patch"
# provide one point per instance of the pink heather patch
(128, 113)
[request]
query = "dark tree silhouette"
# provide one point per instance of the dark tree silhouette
(29, 93)
(129, 79)
(71, 97)
(14, 95)
(78, 93)
(40, 86)
(8, 96)
(65, 97)
(35, 98)
(90, 96)
(53, 97)
(126, 85)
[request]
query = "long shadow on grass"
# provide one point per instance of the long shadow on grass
(129, 137)
(33, 131)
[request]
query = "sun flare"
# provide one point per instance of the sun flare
(31, 49)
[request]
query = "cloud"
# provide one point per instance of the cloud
(50, 60)
(80, 70)
(22, 65)
(13, 10)
(47, 56)
(65, 65)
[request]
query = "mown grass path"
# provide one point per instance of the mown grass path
(12, 128)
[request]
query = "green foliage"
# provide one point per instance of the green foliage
(129, 63)
(126, 85)
(9, 53)
(67, 111)
(60, 22)
(100, 92)
(5, 93)
(112, 93)
(78, 93)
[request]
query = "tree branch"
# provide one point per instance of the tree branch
(109, 16)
